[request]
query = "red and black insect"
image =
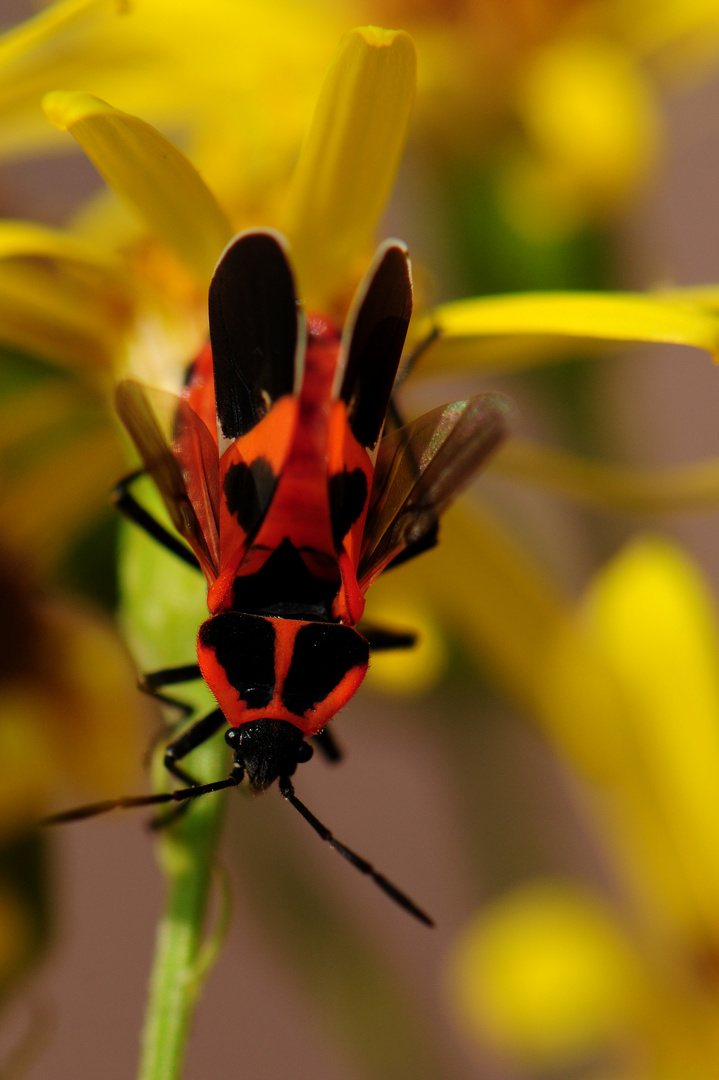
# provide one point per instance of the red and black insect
(275, 470)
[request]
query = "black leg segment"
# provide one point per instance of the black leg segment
(326, 743)
(380, 639)
(202, 730)
(171, 676)
(130, 508)
(152, 681)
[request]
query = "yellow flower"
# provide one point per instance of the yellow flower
(630, 693)
(193, 69)
(560, 99)
(70, 710)
(546, 973)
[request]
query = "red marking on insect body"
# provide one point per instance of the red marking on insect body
(250, 471)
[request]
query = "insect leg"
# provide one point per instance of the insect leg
(130, 508)
(195, 736)
(364, 867)
(153, 681)
(408, 362)
(325, 742)
(189, 740)
(380, 639)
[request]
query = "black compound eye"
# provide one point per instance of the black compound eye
(304, 753)
(232, 737)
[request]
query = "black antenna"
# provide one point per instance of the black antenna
(79, 813)
(288, 792)
(182, 795)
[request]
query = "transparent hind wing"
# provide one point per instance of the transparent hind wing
(420, 469)
(180, 455)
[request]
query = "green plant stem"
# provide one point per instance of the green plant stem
(186, 853)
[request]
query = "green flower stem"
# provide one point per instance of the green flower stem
(164, 602)
(186, 854)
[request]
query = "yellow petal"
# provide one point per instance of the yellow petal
(607, 316)
(28, 239)
(69, 314)
(47, 24)
(30, 413)
(496, 354)
(611, 487)
(699, 295)
(69, 706)
(678, 38)
(23, 744)
(650, 614)
(183, 67)
(503, 605)
(60, 297)
(37, 54)
(546, 973)
(349, 159)
(589, 114)
(150, 174)
(46, 505)
(640, 669)
(96, 734)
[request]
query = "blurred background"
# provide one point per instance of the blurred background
(543, 777)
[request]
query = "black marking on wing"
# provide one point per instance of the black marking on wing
(376, 339)
(323, 654)
(348, 495)
(253, 330)
(285, 587)
(245, 649)
(248, 491)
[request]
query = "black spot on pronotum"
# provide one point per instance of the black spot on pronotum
(248, 491)
(323, 654)
(348, 494)
(244, 646)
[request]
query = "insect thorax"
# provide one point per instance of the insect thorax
(267, 667)
(284, 587)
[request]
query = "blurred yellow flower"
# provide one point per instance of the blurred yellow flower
(559, 97)
(195, 69)
(547, 974)
(630, 696)
(70, 710)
